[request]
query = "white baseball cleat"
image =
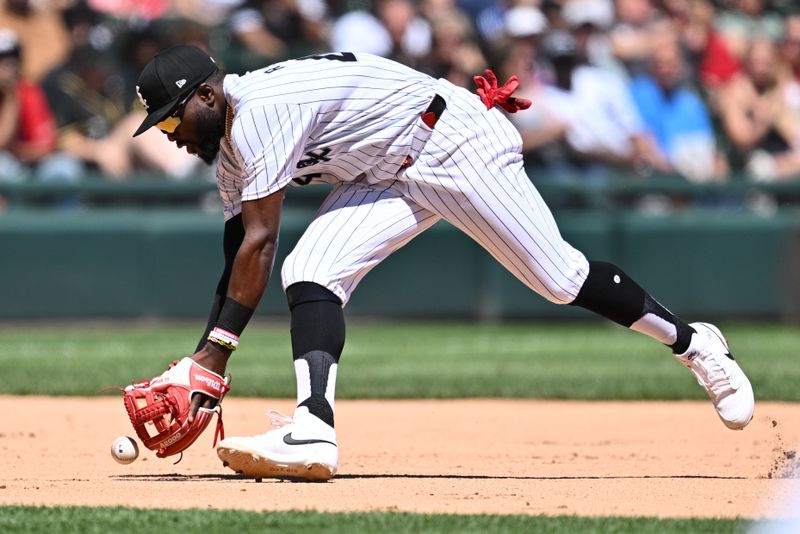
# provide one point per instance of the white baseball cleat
(711, 362)
(301, 447)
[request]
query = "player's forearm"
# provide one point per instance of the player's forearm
(248, 280)
(256, 254)
(249, 277)
(251, 270)
(231, 242)
(254, 236)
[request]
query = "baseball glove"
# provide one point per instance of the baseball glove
(159, 407)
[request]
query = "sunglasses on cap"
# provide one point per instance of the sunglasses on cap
(173, 120)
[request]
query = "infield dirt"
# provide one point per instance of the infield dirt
(665, 459)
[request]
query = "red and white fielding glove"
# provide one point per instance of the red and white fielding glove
(159, 408)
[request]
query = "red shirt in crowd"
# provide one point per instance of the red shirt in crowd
(36, 131)
(718, 65)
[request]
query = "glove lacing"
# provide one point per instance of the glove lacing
(219, 432)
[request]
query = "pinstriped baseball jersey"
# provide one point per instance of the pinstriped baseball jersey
(321, 118)
(354, 120)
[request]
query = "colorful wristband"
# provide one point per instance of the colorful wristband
(223, 338)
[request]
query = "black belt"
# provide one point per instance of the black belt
(434, 110)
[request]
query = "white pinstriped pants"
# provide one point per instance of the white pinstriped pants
(470, 173)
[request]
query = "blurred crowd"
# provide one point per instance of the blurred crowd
(703, 89)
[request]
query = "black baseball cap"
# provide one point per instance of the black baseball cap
(168, 78)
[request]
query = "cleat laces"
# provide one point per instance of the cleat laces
(278, 419)
(710, 374)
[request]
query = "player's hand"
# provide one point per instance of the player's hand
(145, 403)
(214, 358)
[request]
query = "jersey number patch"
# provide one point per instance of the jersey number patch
(314, 158)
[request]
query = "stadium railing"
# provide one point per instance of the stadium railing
(149, 190)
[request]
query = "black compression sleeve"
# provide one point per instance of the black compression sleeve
(609, 292)
(317, 320)
(234, 316)
(231, 241)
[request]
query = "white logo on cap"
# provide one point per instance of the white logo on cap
(180, 83)
(141, 99)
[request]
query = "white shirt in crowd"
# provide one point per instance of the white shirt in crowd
(598, 111)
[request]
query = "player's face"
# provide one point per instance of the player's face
(197, 127)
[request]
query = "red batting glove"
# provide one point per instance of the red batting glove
(492, 95)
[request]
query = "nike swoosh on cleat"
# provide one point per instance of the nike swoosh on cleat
(729, 355)
(289, 440)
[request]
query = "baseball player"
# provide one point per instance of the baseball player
(404, 151)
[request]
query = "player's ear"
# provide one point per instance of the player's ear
(207, 94)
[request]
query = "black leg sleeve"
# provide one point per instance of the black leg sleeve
(317, 320)
(318, 334)
(609, 292)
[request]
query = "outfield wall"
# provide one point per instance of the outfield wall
(713, 264)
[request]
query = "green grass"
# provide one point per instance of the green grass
(587, 361)
(103, 520)
(404, 360)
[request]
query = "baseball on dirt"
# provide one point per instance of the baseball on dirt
(124, 450)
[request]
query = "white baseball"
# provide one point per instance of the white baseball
(124, 450)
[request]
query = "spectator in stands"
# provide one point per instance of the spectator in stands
(433, 9)
(360, 31)
(757, 114)
(790, 44)
(209, 13)
(95, 127)
(88, 27)
(391, 28)
(749, 20)
(42, 34)
(251, 31)
(589, 21)
(410, 33)
(692, 22)
(134, 49)
(490, 22)
(273, 30)
(521, 57)
(639, 26)
(524, 27)
(676, 117)
(589, 112)
(27, 127)
(729, 39)
(134, 10)
(454, 55)
(87, 109)
(31, 21)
